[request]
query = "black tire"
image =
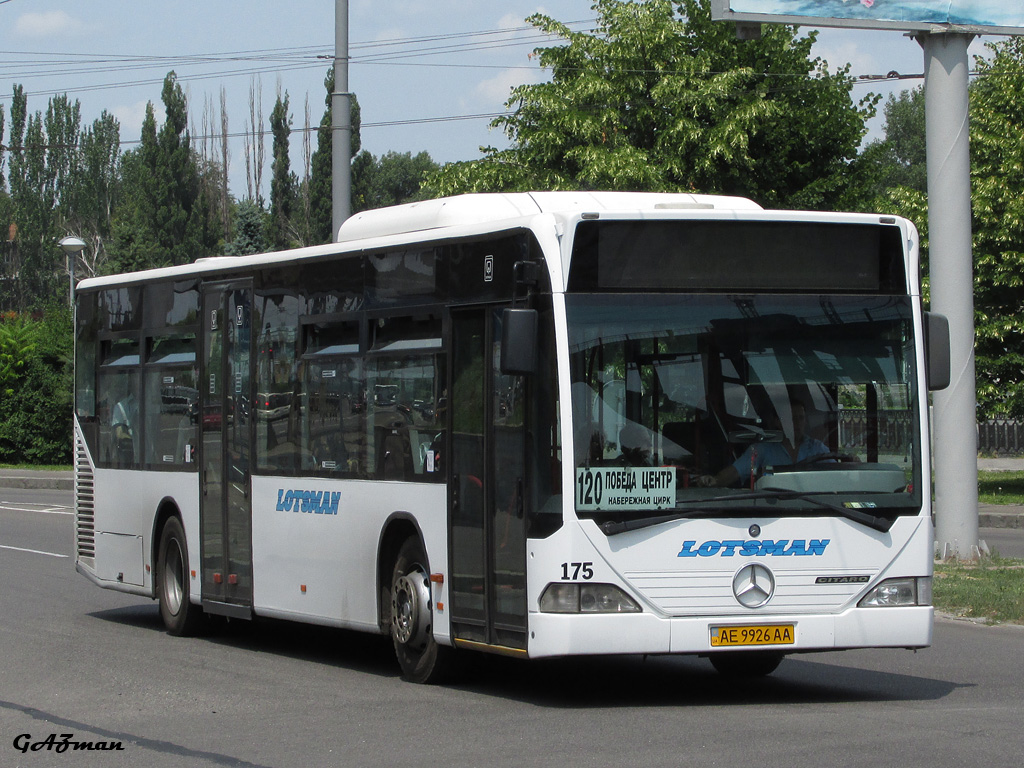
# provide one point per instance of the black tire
(179, 615)
(746, 664)
(421, 659)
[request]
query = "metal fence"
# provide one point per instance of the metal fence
(1001, 437)
(894, 433)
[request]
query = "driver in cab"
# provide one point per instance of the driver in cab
(798, 447)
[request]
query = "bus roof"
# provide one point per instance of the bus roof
(471, 209)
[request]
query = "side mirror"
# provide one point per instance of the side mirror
(936, 337)
(519, 342)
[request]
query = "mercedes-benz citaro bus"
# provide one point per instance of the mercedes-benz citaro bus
(534, 424)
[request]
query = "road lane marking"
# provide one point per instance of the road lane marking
(47, 509)
(33, 551)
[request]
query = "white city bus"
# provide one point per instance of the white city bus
(536, 424)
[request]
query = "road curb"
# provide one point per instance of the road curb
(1000, 520)
(38, 483)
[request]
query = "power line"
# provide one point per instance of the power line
(308, 57)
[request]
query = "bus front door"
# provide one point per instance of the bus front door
(487, 527)
(225, 507)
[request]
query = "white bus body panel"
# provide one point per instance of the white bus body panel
(333, 553)
(125, 514)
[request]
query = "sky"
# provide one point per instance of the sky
(429, 74)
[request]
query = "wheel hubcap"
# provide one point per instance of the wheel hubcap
(410, 608)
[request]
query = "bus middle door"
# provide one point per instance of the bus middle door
(225, 507)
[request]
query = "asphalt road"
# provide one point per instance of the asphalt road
(1008, 542)
(97, 665)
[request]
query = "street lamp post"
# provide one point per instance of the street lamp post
(72, 246)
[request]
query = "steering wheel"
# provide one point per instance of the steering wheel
(830, 456)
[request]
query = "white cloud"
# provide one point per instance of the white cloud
(130, 117)
(46, 24)
(511, 21)
(495, 90)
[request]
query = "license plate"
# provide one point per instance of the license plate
(763, 634)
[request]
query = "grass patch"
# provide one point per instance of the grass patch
(45, 467)
(1001, 487)
(991, 589)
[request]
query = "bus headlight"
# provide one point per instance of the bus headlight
(894, 592)
(586, 598)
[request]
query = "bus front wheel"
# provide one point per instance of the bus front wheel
(172, 584)
(422, 660)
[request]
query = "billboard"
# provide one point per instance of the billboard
(998, 17)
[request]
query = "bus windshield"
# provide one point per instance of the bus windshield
(728, 404)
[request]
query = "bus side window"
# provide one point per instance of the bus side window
(118, 393)
(333, 417)
(277, 407)
(406, 403)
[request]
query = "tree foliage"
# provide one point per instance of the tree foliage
(997, 178)
(391, 179)
(36, 400)
(164, 219)
(660, 97)
(249, 230)
(283, 183)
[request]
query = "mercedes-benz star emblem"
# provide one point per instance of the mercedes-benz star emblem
(753, 585)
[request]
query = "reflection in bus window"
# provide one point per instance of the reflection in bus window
(171, 415)
(333, 417)
(276, 315)
(120, 433)
(406, 417)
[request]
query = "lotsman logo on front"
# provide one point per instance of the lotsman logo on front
(310, 502)
(754, 548)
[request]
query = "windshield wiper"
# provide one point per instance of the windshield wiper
(882, 524)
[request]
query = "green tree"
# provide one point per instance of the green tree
(94, 190)
(18, 337)
(283, 183)
(320, 191)
(660, 97)
(43, 162)
(249, 229)
(392, 179)
(36, 403)
(164, 219)
(135, 244)
(892, 170)
(180, 215)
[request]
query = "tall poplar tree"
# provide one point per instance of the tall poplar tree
(163, 219)
(320, 183)
(283, 183)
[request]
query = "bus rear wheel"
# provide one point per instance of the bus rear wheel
(745, 664)
(180, 617)
(421, 659)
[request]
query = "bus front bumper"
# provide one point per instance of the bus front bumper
(646, 633)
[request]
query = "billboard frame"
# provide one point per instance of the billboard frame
(721, 11)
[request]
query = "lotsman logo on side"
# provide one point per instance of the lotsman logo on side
(754, 548)
(310, 502)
